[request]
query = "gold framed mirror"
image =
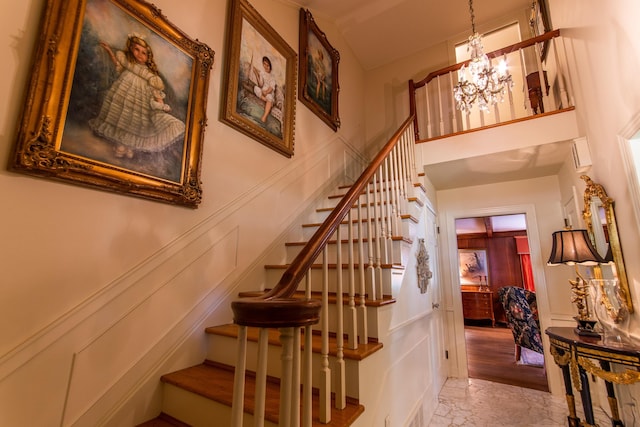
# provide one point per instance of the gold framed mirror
(600, 219)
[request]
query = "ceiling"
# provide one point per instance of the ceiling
(525, 163)
(382, 31)
(499, 223)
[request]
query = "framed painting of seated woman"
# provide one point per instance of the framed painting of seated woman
(116, 101)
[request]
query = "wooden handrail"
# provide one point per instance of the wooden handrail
(494, 54)
(277, 308)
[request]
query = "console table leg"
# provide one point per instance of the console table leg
(585, 394)
(572, 418)
(611, 397)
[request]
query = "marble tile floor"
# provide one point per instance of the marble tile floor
(479, 403)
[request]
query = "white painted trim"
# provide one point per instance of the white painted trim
(627, 133)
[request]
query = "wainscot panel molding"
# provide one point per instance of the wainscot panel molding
(119, 341)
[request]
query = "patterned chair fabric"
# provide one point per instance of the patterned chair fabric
(521, 309)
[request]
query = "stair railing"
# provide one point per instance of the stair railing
(377, 198)
(530, 62)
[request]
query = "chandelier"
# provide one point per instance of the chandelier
(486, 85)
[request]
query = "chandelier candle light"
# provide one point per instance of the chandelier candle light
(487, 85)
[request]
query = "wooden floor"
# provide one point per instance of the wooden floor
(491, 356)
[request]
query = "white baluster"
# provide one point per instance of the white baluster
(307, 388)
(389, 210)
(286, 377)
(362, 308)
(295, 379)
(411, 142)
(339, 364)
(379, 233)
(384, 204)
(370, 246)
(393, 183)
(237, 410)
(325, 371)
(351, 313)
(426, 96)
(307, 383)
(454, 118)
(261, 378)
(440, 106)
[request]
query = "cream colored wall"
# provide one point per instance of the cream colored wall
(101, 293)
(603, 41)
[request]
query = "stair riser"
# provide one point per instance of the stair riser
(273, 276)
(372, 319)
(405, 208)
(406, 227)
(322, 214)
(223, 349)
(332, 248)
(199, 411)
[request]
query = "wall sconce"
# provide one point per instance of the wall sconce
(573, 247)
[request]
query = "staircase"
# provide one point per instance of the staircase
(355, 288)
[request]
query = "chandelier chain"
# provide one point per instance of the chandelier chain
(479, 82)
(473, 17)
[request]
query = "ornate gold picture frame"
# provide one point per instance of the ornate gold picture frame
(260, 73)
(318, 78)
(116, 101)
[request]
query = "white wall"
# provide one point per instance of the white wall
(100, 292)
(603, 40)
(603, 43)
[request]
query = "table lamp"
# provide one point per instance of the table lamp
(574, 247)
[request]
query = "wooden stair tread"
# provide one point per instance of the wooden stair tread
(215, 381)
(363, 351)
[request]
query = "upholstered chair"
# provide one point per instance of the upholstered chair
(521, 309)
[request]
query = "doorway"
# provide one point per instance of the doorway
(493, 252)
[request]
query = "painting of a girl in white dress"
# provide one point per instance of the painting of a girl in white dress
(123, 110)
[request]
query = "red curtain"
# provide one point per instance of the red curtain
(527, 272)
(522, 247)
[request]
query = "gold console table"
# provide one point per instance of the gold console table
(576, 354)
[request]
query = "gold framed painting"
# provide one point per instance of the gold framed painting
(116, 101)
(260, 71)
(318, 77)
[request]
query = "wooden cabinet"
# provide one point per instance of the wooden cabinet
(478, 305)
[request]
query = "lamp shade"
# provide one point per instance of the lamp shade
(573, 247)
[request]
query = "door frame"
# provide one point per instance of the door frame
(458, 366)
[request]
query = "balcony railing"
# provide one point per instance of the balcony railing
(539, 59)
